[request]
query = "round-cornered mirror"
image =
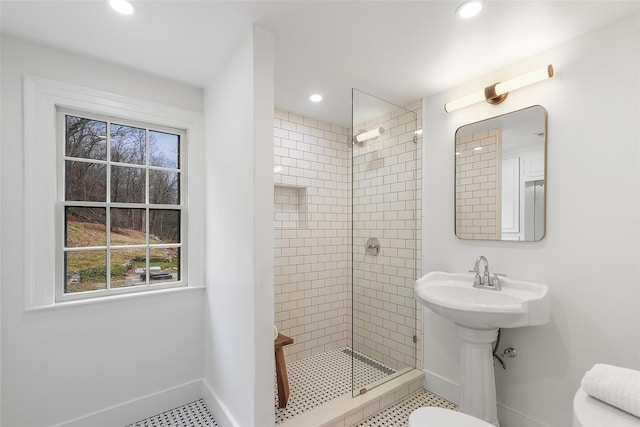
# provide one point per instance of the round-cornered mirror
(500, 177)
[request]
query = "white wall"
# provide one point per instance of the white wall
(238, 338)
(590, 255)
(60, 364)
(1, 258)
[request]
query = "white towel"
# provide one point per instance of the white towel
(619, 387)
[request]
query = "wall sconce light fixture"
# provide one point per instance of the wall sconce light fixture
(369, 134)
(496, 93)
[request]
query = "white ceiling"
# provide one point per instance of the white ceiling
(397, 50)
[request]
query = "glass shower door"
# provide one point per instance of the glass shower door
(385, 173)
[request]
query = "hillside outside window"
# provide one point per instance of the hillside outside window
(122, 214)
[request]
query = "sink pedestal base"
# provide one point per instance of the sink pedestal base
(477, 381)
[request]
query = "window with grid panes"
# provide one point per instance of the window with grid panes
(122, 216)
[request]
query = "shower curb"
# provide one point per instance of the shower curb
(347, 411)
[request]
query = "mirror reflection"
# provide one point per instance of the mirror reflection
(500, 177)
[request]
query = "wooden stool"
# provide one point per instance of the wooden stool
(281, 369)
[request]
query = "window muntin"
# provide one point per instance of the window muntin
(122, 184)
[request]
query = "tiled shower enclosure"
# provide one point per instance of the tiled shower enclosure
(311, 232)
(330, 196)
(386, 173)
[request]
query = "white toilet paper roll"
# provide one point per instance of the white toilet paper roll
(275, 332)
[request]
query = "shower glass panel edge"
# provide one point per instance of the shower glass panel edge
(384, 178)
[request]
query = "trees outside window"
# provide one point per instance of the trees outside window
(123, 209)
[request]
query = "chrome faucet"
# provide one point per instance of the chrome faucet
(486, 280)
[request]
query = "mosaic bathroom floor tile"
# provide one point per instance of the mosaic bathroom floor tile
(313, 381)
(398, 414)
(195, 414)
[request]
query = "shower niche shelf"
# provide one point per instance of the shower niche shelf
(289, 207)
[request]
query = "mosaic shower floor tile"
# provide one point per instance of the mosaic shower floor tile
(318, 379)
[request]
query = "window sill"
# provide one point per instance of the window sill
(113, 298)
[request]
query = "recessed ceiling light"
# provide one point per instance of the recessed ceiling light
(316, 97)
(121, 6)
(469, 9)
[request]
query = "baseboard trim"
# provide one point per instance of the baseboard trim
(224, 418)
(140, 408)
(155, 403)
(449, 390)
(441, 386)
(511, 418)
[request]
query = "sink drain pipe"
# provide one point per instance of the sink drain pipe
(495, 349)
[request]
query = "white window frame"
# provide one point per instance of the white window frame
(42, 209)
(182, 169)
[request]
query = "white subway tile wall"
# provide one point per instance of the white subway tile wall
(477, 182)
(290, 207)
(312, 232)
(387, 206)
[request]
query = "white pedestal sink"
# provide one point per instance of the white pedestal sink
(478, 314)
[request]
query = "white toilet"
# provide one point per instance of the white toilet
(591, 412)
(587, 412)
(440, 417)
